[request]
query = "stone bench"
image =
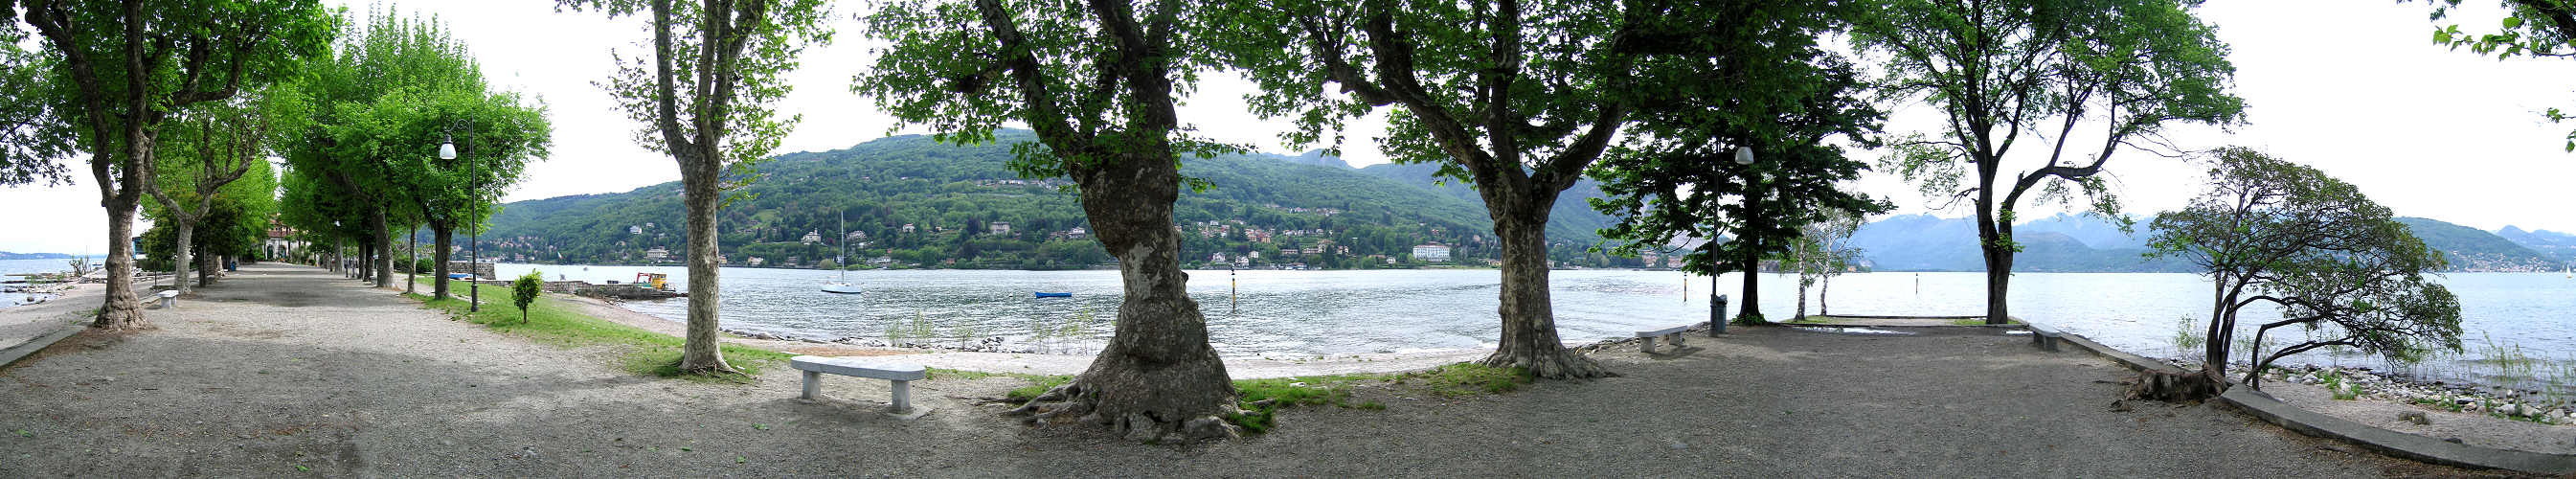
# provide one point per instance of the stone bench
(1650, 335)
(2045, 336)
(169, 298)
(903, 374)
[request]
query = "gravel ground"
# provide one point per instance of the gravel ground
(291, 371)
(21, 323)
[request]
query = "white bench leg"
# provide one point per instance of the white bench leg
(1647, 346)
(813, 385)
(902, 397)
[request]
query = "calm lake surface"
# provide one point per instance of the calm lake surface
(1352, 312)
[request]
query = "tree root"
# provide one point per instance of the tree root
(2172, 387)
(1076, 403)
(1559, 364)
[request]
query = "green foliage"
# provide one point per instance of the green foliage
(2334, 262)
(1764, 85)
(2001, 71)
(525, 290)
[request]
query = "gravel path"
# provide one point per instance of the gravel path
(291, 371)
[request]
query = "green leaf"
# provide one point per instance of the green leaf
(2512, 22)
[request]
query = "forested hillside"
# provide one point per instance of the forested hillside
(965, 208)
(2071, 243)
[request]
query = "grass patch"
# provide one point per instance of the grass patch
(1468, 379)
(1262, 398)
(556, 321)
(1039, 385)
(2342, 389)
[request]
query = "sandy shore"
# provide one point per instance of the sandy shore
(21, 323)
(2470, 428)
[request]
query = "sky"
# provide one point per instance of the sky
(2356, 89)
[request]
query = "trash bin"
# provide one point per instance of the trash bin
(1717, 315)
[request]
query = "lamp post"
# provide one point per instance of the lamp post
(1717, 302)
(474, 241)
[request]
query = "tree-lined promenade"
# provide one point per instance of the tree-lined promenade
(1702, 120)
(291, 370)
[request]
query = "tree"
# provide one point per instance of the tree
(2536, 28)
(1097, 81)
(229, 139)
(525, 290)
(1766, 86)
(2269, 231)
(1516, 99)
(703, 96)
(2000, 69)
(1824, 251)
(120, 68)
(31, 131)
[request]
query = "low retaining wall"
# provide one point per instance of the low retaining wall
(2393, 443)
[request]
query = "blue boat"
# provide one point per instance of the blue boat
(1043, 294)
(458, 275)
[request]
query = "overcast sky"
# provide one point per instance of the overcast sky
(2353, 88)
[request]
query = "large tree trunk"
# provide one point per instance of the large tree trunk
(411, 260)
(121, 312)
(700, 352)
(1750, 312)
(179, 255)
(442, 238)
(384, 249)
(2215, 347)
(1529, 339)
(1157, 379)
(209, 266)
(1993, 240)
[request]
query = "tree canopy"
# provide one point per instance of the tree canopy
(2122, 70)
(2335, 263)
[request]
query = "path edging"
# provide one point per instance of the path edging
(2410, 446)
(10, 356)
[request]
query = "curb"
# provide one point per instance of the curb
(10, 356)
(2393, 443)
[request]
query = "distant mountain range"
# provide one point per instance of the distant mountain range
(2084, 243)
(4, 255)
(2561, 246)
(914, 201)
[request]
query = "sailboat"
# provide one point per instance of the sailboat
(841, 284)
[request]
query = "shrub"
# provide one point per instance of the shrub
(525, 290)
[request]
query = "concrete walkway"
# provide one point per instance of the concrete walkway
(293, 371)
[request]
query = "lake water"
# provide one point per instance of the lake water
(1349, 312)
(18, 266)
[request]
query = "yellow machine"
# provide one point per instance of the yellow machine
(658, 280)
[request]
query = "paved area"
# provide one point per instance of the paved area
(292, 371)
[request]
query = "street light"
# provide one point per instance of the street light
(474, 241)
(1717, 302)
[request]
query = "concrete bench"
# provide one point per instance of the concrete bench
(903, 374)
(1649, 336)
(2045, 336)
(169, 298)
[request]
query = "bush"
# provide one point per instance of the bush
(525, 290)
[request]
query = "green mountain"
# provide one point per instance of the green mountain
(2561, 246)
(2471, 249)
(1573, 218)
(912, 200)
(2084, 244)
